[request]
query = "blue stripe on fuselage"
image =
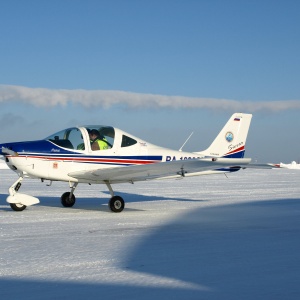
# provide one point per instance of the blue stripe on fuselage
(49, 150)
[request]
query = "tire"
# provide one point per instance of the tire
(116, 204)
(65, 201)
(17, 206)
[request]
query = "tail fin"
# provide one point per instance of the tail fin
(231, 140)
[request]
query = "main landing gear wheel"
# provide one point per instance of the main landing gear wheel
(17, 206)
(116, 204)
(66, 201)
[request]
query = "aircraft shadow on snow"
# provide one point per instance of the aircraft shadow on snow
(100, 203)
(240, 251)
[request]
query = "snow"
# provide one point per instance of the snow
(208, 237)
(3, 165)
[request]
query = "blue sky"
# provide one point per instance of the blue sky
(157, 69)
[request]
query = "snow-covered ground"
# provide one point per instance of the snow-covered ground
(3, 165)
(208, 237)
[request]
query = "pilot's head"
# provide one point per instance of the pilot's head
(94, 134)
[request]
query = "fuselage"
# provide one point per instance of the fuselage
(70, 150)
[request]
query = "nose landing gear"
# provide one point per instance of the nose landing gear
(18, 201)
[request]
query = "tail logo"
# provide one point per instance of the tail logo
(229, 137)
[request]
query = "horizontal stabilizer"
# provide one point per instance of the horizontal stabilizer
(262, 166)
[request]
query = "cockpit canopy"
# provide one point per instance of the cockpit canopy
(82, 138)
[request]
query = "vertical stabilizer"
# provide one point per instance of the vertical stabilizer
(231, 140)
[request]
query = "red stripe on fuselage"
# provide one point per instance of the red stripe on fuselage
(91, 160)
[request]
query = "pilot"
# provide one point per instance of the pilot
(97, 142)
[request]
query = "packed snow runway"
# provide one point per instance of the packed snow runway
(208, 237)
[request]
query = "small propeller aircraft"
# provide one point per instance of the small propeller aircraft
(97, 154)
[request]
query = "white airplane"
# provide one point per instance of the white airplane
(292, 165)
(73, 155)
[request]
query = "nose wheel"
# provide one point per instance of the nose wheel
(17, 206)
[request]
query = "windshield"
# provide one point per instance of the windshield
(70, 138)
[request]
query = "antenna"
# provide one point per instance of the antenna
(185, 142)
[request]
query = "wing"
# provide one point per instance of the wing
(263, 166)
(159, 170)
